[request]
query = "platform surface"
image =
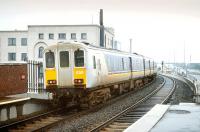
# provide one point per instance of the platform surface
(180, 118)
(184, 117)
(42, 96)
(10, 100)
(147, 122)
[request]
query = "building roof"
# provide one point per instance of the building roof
(110, 30)
(86, 25)
(14, 31)
(83, 25)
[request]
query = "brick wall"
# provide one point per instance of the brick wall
(13, 79)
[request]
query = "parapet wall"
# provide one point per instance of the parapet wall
(13, 79)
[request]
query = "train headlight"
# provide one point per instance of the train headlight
(78, 81)
(52, 82)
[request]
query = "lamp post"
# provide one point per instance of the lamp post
(130, 45)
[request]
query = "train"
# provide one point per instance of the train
(85, 74)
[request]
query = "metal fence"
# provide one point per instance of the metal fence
(35, 77)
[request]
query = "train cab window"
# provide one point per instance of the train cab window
(64, 59)
(79, 58)
(50, 59)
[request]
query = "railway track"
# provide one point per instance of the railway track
(40, 122)
(130, 115)
(47, 120)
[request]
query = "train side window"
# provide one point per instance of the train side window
(123, 64)
(64, 59)
(50, 59)
(149, 65)
(94, 62)
(79, 58)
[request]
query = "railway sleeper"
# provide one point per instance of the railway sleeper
(132, 116)
(113, 130)
(129, 118)
(126, 121)
(118, 126)
(123, 124)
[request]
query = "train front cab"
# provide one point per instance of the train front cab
(65, 68)
(50, 70)
(79, 72)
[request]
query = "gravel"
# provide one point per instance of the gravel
(95, 118)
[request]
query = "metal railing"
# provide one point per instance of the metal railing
(35, 77)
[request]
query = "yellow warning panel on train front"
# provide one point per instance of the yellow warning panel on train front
(80, 73)
(50, 74)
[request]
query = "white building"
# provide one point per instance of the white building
(17, 46)
(13, 46)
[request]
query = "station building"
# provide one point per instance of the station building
(18, 46)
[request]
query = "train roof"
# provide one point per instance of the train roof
(88, 45)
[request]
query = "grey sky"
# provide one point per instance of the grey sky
(158, 28)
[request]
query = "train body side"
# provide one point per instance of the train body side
(98, 67)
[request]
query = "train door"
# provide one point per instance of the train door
(95, 70)
(130, 67)
(149, 67)
(99, 68)
(79, 71)
(65, 68)
(144, 66)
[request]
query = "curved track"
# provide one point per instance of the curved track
(47, 120)
(127, 117)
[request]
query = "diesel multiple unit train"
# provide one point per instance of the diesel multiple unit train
(86, 74)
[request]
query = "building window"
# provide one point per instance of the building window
(24, 57)
(40, 52)
(41, 36)
(11, 41)
(83, 35)
(73, 35)
(24, 41)
(40, 73)
(51, 36)
(11, 56)
(62, 36)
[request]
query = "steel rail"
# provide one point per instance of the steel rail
(103, 125)
(4, 127)
(171, 92)
(63, 118)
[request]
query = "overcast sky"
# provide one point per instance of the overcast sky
(159, 28)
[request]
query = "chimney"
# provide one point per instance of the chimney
(101, 17)
(101, 28)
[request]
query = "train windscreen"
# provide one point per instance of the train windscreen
(50, 60)
(79, 58)
(64, 59)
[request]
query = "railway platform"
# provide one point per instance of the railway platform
(167, 118)
(34, 95)
(11, 100)
(10, 106)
